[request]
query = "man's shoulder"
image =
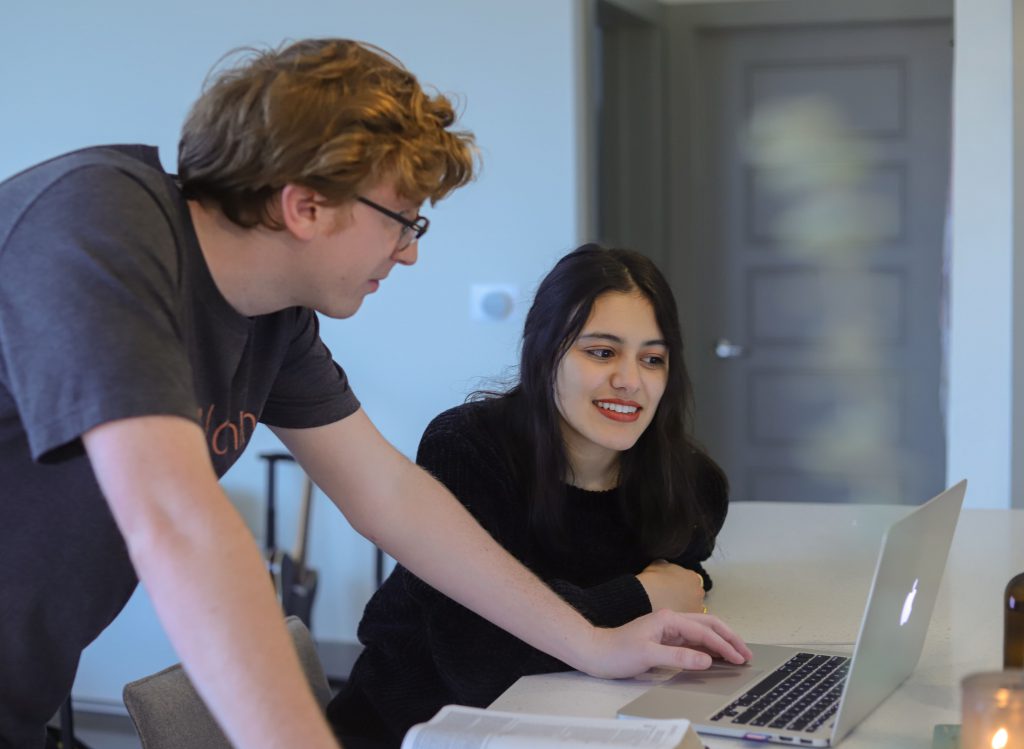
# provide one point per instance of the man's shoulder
(98, 170)
(135, 158)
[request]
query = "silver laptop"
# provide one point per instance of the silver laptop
(813, 697)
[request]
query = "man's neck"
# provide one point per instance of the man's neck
(247, 265)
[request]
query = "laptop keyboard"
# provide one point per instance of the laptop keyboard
(800, 695)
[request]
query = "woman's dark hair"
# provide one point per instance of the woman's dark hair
(660, 475)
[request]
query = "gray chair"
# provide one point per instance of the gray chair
(169, 714)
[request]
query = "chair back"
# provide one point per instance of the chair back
(169, 714)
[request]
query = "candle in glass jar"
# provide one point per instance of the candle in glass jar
(993, 710)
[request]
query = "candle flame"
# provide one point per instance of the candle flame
(1000, 739)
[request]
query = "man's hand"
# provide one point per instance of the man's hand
(670, 586)
(663, 639)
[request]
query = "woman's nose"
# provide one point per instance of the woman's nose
(626, 376)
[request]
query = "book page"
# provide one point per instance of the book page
(456, 727)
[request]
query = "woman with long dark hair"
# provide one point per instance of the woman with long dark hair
(584, 470)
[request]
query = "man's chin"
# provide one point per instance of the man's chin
(343, 310)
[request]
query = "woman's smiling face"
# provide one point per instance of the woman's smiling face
(610, 381)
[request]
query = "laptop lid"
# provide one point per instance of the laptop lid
(900, 605)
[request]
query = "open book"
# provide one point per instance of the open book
(457, 727)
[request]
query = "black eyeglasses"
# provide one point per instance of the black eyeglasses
(411, 230)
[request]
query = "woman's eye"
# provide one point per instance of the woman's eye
(654, 360)
(600, 353)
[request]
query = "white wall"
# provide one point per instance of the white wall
(981, 304)
(1017, 451)
(76, 74)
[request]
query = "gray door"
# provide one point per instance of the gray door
(814, 285)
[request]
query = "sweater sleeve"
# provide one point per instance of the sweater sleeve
(477, 659)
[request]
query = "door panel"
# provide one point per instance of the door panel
(869, 93)
(801, 306)
(770, 219)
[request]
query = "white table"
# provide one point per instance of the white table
(772, 556)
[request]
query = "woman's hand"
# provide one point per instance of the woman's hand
(662, 639)
(670, 586)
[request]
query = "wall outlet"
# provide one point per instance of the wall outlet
(492, 302)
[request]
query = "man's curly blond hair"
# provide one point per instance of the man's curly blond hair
(333, 115)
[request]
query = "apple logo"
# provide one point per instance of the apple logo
(908, 605)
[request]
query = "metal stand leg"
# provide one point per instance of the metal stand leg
(379, 567)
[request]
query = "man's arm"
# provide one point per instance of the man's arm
(206, 577)
(416, 520)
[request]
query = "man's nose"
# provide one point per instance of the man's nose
(408, 255)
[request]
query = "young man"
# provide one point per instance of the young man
(148, 322)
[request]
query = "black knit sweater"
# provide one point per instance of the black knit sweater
(424, 651)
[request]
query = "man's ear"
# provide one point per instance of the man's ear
(302, 210)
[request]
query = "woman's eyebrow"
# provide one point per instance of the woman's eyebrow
(616, 339)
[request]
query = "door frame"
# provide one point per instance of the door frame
(688, 166)
(623, 166)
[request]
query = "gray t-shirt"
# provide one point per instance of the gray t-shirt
(108, 311)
